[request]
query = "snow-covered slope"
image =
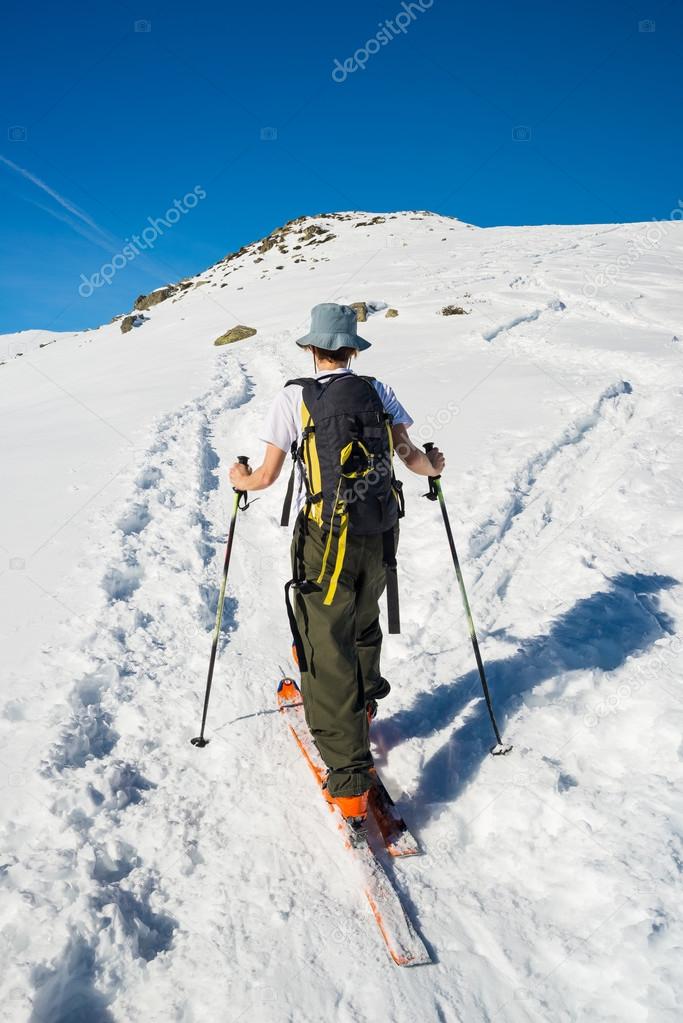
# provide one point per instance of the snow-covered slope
(142, 879)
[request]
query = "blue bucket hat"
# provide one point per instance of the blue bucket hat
(332, 327)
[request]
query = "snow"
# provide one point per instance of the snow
(143, 879)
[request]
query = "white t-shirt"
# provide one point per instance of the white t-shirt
(282, 425)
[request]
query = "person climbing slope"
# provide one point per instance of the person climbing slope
(341, 430)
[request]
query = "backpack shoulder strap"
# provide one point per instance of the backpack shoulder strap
(315, 384)
(371, 381)
(296, 451)
(287, 505)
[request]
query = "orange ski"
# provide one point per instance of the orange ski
(394, 830)
(403, 943)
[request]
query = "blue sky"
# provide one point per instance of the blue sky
(496, 113)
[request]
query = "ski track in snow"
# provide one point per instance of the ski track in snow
(128, 653)
(555, 305)
(551, 472)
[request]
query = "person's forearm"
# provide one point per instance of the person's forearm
(416, 461)
(259, 479)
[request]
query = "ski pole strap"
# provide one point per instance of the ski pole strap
(391, 576)
(287, 506)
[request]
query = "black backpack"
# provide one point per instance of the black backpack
(344, 462)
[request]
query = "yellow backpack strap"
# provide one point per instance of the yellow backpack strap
(339, 561)
(341, 548)
(328, 545)
(326, 554)
(311, 465)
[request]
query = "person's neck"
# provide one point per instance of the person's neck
(328, 367)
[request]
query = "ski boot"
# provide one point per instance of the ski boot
(354, 810)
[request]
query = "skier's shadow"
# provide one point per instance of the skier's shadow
(600, 631)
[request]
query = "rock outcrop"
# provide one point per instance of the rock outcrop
(368, 223)
(154, 297)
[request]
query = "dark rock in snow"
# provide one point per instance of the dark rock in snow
(312, 230)
(238, 333)
(128, 322)
(368, 223)
(267, 244)
(154, 297)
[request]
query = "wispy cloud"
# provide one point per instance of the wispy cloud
(95, 237)
(79, 221)
(62, 200)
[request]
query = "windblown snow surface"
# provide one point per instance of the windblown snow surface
(142, 879)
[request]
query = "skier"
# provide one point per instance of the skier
(341, 430)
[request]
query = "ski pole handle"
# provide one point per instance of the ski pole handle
(243, 460)
(432, 495)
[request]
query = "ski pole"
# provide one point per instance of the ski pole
(199, 740)
(436, 494)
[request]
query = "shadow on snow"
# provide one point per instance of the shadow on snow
(599, 632)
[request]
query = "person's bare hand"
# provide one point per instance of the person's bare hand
(238, 474)
(438, 461)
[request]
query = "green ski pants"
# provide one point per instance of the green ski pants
(342, 642)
